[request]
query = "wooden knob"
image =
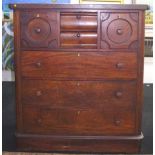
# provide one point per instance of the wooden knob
(119, 31)
(38, 93)
(37, 30)
(117, 122)
(78, 34)
(78, 112)
(39, 121)
(119, 65)
(65, 147)
(78, 17)
(38, 64)
(119, 94)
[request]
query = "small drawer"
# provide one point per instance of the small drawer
(78, 21)
(78, 40)
(41, 119)
(79, 65)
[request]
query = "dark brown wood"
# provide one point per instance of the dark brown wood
(79, 65)
(119, 30)
(78, 39)
(80, 94)
(88, 144)
(79, 77)
(79, 21)
(79, 6)
(39, 29)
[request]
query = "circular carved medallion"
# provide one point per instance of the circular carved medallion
(38, 29)
(119, 31)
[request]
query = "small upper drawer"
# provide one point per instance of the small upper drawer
(39, 29)
(78, 21)
(78, 40)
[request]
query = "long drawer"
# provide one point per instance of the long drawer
(80, 94)
(73, 121)
(79, 65)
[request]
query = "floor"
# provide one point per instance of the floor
(8, 114)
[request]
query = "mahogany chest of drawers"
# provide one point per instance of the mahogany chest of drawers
(79, 77)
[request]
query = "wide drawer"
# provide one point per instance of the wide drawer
(79, 65)
(78, 21)
(80, 94)
(73, 121)
(78, 40)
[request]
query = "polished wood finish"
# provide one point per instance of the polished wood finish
(78, 21)
(79, 77)
(39, 29)
(79, 65)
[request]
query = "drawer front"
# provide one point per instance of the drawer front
(79, 94)
(119, 30)
(78, 40)
(78, 21)
(80, 66)
(39, 29)
(70, 121)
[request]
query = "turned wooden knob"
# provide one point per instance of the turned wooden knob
(117, 122)
(119, 31)
(78, 34)
(38, 64)
(119, 65)
(37, 30)
(78, 16)
(38, 93)
(119, 94)
(39, 121)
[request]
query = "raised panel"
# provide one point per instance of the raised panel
(39, 29)
(119, 30)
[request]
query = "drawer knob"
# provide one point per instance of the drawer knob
(38, 15)
(78, 17)
(37, 30)
(119, 94)
(78, 112)
(39, 93)
(65, 147)
(39, 121)
(38, 64)
(78, 83)
(117, 122)
(119, 65)
(119, 31)
(78, 34)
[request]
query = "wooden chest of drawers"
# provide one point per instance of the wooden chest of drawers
(79, 77)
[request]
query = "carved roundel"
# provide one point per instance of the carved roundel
(38, 29)
(119, 31)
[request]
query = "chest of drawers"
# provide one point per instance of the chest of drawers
(79, 77)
